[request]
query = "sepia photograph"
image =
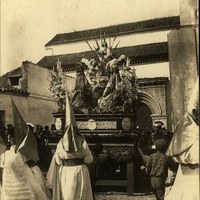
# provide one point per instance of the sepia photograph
(99, 100)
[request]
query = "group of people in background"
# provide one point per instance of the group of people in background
(41, 135)
(7, 133)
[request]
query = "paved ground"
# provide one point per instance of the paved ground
(122, 196)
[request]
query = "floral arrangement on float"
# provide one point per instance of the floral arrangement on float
(104, 83)
(56, 87)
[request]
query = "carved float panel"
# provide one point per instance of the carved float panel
(99, 124)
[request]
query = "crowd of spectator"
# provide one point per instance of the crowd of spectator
(41, 134)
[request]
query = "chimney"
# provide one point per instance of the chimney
(24, 80)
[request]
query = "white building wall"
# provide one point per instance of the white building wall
(153, 70)
(142, 71)
(125, 40)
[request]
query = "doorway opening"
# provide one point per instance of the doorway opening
(2, 118)
(143, 117)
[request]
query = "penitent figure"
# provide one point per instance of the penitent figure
(68, 175)
(22, 178)
(184, 149)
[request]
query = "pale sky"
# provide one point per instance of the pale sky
(27, 25)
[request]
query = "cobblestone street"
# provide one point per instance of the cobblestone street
(121, 196)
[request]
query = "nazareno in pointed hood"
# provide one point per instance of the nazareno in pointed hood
(184, 146)
(24, 138)
(72, 140)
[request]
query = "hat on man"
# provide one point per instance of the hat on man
(30, 124)
(158, 124)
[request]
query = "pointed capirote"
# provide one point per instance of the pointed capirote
(24, 138)
(69, 114)
(72, 140)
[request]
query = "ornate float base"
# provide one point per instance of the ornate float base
(112, 141)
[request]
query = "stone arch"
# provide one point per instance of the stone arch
(151, 102)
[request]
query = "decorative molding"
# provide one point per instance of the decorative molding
(100, 124)
(151, 102)
(120, 154)
(37, 96)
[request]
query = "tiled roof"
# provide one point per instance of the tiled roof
(152, 81)
(140, 54)
(5, 86)
(4, 80)
(13, 90)
(13, 73)
(121, 29)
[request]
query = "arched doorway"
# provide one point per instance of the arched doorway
(149, 105)
(143, 117)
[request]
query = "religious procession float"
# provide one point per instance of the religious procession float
(104, 100)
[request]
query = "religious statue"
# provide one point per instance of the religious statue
(82, 96)
(118, 92)
(104, 83)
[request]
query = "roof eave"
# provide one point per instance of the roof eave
(113, 35)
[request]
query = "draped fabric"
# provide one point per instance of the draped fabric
(2, 145)
(21, 182)
(2, 150)
(184, 146)
(193, 105)
(69, 83)
(70, 182)
(184, 149)
(75, 183)
(53, 180)
(186, 185)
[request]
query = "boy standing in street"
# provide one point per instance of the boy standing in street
(157, 168)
